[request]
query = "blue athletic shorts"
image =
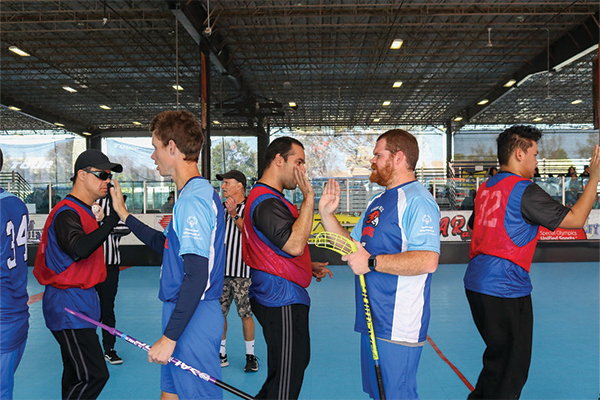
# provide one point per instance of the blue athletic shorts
(198, 346)
(8, 365)
(398, 368)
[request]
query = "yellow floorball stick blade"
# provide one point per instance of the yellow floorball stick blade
(338, 243)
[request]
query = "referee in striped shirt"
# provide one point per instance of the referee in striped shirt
(237, 273)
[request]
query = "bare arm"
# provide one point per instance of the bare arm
(581, 209)
(416, 262)
(296, 243)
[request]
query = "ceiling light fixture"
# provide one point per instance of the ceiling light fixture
(386, 103)
(459, 118)
(177, 87)
(396, 44)
(86, 133)
(292, 104)
(483, 102)
(59, 124)
(489, 43)
(216, 122)
(14, 108)
(18, 51)
(537, 119)
(578, 101)
(69, 89)
(105, 107)
(136, 123)
(397, 84)
(510, 83)
(376, 119)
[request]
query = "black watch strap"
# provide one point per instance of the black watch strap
(237, 216)
(372, 263)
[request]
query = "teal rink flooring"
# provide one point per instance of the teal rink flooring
(565, 362)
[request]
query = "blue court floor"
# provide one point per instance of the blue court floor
(565, 362)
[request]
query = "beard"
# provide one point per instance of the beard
(381, 176)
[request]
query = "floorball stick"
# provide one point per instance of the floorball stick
(344, 246)
(172, 360)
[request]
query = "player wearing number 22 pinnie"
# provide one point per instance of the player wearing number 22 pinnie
(509, 208)
(14, 314)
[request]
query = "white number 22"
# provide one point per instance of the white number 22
(491, 202)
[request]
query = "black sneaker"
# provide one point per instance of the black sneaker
(224, 360)
(251, 363)
(112, 357)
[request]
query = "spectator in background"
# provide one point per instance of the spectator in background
(167, 208)
(47, 200)
(491, 172)
(536, 174)
(469, 201)
(574, 188)
(596, 204)
(107, 290)
(570, 171)
(14, 312)
(586, 172)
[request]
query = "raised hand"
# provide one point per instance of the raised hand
(303, 183)
(118, 203)
(330, 199)
(231, 204)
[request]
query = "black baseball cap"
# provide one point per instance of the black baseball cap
(233, 174)
(96, 159)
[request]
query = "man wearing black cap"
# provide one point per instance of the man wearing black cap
(70, 262)
(237, 273)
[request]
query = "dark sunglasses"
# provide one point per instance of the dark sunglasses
(102, 175)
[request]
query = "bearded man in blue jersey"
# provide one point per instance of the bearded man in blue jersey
(193, 251)
(509, 208)
(14, 312)
(399, 250)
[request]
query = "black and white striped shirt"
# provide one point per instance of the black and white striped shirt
(112, 255)
(234, 266)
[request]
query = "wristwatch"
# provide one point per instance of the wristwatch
(372, 263)
(237, 216)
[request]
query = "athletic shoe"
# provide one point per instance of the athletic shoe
(112, 357)
(251, 363)
(224, 360)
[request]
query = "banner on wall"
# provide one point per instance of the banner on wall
(453, 227)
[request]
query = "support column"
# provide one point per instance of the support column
(205, 108)
(449, 149)
(263, 140)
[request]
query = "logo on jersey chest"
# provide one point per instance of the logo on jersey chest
(372, 221)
